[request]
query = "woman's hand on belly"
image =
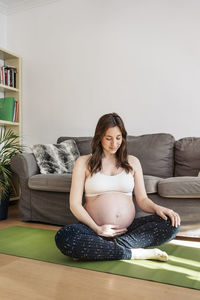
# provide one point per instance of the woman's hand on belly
(109, 230)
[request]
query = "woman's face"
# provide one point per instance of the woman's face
(112, 140)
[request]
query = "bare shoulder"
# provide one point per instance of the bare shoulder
(81, 165)
(134, 162)
(132, 159)
(82, 160)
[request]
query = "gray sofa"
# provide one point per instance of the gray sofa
(170, 170)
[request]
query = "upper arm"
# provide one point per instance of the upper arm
(139, 187)
(78, 181)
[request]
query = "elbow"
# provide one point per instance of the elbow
(71, 203)
(73, 210)
(74, 203)
(71, 207)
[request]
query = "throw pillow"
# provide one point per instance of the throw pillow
(56, 158)
(83, 143)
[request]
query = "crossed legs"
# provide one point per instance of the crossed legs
(80, 241)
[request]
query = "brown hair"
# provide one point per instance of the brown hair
(105, 122)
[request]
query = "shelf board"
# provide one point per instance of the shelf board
(3, 122)
(5, 54)
(6, 88)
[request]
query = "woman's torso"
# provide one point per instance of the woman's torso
(109, 198)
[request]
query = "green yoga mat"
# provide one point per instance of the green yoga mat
(182, 268)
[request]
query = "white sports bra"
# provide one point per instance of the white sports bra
(100, 183)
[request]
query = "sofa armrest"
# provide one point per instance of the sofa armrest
(24, 165)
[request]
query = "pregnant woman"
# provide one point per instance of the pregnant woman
(107, 228)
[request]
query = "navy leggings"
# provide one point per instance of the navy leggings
(80, 241)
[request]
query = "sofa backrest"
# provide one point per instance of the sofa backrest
(187, 156)
(155, 151)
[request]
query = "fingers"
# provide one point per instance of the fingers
(171, 217)
(109, 230)
(118, 231)
(115, 226)
(178, 220)
(121, 230)
(162, 215)
(175, 218)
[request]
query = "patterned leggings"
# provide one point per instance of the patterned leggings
(80, 241)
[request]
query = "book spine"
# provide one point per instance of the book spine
(14, 111)
(3, 75)
(8, 76)
(15, 76)
(17, 112)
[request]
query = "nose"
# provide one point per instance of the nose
(114, 143)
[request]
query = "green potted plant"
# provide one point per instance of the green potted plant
(9, 147)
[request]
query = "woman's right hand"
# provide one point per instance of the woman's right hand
(109, 230)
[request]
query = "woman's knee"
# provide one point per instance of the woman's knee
(175, 230)
(65, 235)
(171, 230)
(68, 236)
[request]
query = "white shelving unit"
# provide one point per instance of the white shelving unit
(8, 58)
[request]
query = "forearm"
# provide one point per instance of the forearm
(147, 205)
(82, 215)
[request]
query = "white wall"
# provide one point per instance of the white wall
(3, 31)
(3, 34)
(84, 58)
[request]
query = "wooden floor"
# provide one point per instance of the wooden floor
(28, 279)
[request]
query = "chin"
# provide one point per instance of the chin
(113, 151)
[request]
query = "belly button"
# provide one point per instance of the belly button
(117, 216)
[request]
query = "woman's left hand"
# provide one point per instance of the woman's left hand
(163, 212)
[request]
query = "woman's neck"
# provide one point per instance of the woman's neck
(108, 156)
(109, 160)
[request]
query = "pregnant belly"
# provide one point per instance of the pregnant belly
(111, 208)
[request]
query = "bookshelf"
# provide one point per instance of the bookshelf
(8, 58)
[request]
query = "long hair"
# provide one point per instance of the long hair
(105, 122)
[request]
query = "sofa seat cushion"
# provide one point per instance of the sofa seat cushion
(50, 182)
(179, 187)
(151, 183)
(62, 183)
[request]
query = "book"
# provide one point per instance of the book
(17, 112)
(8, 76)
(14, 112)
(2, 131)
(7, 106)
